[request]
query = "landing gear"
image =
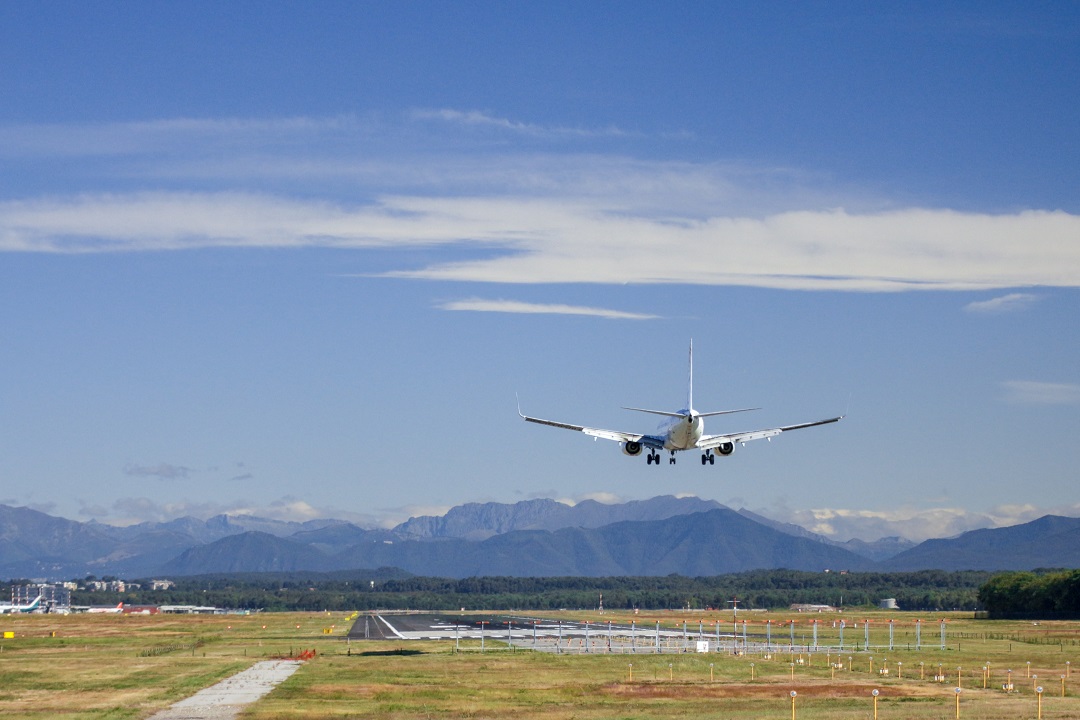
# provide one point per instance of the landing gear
(671, 460)
(708, 458)
(651, 458)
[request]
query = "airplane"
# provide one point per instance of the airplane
(31, 606)
(108, 609)
(683, 430)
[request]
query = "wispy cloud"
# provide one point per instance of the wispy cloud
(515, 306)
(162, 471)
(133, 510)
(916, 524)
(1030, 392)
(1013, 302)
(475, 118)
(540, 213)
(565, 241)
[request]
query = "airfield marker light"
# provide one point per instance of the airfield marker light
(899, 669)
(1062, 686)
(631, 672)
(850, 669)
(958, 703)
(986, 673)
(792, 670)
(922, 670)
(1029, 668)
(751, 671)
(871, 664)
(710, 672)
(875, 693)
(1034, 679)
(793, 694)
(1039, 692)
(957, 676)
(670, 672)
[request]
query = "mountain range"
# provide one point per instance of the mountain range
(660, 536)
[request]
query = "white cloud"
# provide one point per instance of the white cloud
(133, 510)
(586, 241)
(1013, 302)
(916, 524)
(1029, 392)
(475, 118)
(515, 306)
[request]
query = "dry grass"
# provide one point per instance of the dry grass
(129, 667)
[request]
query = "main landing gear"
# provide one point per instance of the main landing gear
(652, 457)
(708, 458)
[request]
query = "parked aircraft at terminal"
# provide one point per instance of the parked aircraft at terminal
(683, 430)
(8, 608)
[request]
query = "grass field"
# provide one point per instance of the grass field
(110, 666)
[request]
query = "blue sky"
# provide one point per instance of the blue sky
(297, 259)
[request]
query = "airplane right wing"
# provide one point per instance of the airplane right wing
(711, 442)
(651, 441)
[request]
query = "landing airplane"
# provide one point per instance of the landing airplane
(31, 606)
(683, 430)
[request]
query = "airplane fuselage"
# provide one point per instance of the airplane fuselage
(682, 433)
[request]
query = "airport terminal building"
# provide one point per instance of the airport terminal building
(54, 598)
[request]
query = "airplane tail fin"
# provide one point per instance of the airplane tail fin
(689, 398)
(690, 380)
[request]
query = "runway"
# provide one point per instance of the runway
(545, 634)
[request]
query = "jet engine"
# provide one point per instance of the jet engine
(725, 448)
(631, 447)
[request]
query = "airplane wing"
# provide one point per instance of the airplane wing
(650, 441)
(711, 442)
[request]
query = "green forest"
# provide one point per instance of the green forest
(1032, 594)
(390, 589)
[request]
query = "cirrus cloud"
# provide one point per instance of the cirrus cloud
(586, 241)
(516, 306)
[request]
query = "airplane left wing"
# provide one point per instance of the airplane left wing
(651, 441)
(711, 442)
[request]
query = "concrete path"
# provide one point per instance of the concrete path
(225, 700)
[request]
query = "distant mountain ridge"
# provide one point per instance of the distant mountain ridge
(663, 535)
(479, 521)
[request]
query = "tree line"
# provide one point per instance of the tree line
(1042, 594)
(388, 589)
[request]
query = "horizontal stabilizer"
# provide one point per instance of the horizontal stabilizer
(684, 413)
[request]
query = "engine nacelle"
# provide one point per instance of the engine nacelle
(631, 448)
(725, 448)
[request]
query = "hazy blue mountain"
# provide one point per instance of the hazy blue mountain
(876, 550)
(710, 543)
(1049, 542)
(33, 544)
(535, 537)
(479, 521)
(247, 552)
(881, 549)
